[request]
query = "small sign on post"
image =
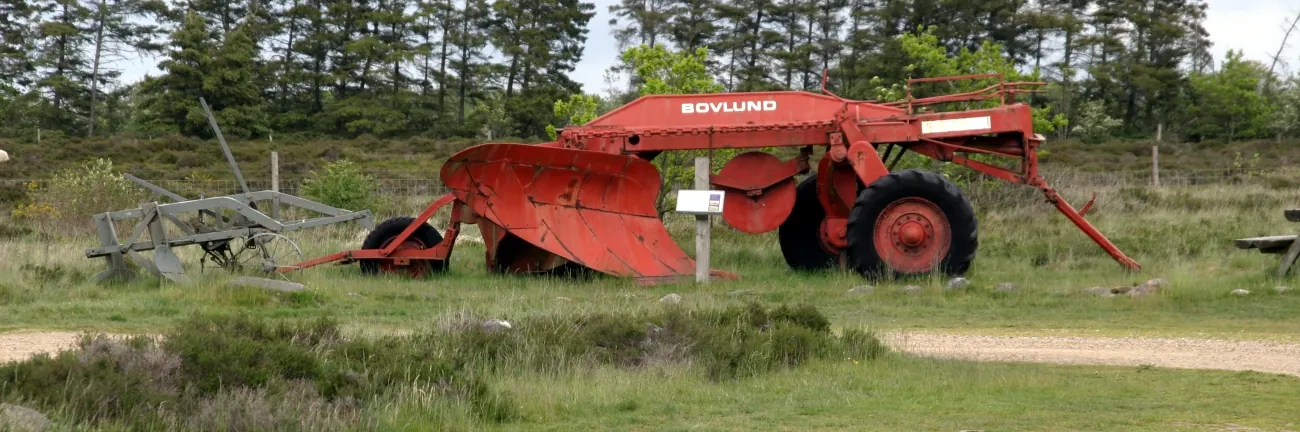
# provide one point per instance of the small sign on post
(702, 203)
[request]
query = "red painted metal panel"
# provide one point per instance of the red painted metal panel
(591, 208)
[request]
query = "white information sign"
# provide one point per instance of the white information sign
(700, 202)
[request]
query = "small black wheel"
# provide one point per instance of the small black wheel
(800, 234)
(424, 237)
(911, 223)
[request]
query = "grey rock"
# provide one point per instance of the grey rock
(671, 299)
(496, 325)
(1240, 292)
(1281, 289)
(1121, 290)
(741, 292)
(1098, 291)
(352, 294)
(1143, 290)
(266, 284)
(862, 290)
(1007, 287)
(564, 299)
(958, 283)
(911, 289)
(1153, 286)
(1159, 283)
(22, 419)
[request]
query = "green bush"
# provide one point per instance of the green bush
(341, 185)
(731, 343)
(69, 200)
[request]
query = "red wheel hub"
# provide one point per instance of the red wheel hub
(406, 267)
(912, 235)
(834, 235)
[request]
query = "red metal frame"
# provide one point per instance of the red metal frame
(581, 198)
(440, 252)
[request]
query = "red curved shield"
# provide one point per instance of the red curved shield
(594, 209)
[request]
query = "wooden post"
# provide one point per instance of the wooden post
(702, 225)
(1155, 156)
(1155, 166)
(275, 184)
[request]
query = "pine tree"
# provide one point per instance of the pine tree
(62, 65)
(314, 47)
(745, 43)
(1071, 18)
(116, 35)
(170, 103)
(231, 89)
(18, 32)
(692, 24)
(827, 37)
(791, 35)
(644, 22)
(861, 38)
(222, 15)
(542, 42)
(468, 59)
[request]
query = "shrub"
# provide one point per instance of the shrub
(242, 373)
(731, 343)
(341, 185)
(74, 195)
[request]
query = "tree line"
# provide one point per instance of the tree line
(479, 68)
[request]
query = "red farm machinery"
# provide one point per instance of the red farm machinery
(587, 200)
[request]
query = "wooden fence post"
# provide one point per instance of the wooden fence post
(702, 224)
(1155, 156)
(275, 184)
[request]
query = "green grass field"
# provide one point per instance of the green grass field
(1180, 234)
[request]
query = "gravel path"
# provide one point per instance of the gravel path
(1187, 353)
(19, 346)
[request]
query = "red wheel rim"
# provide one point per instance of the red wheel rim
(912, 235)
(414, 268)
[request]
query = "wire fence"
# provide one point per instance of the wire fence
(415, 187)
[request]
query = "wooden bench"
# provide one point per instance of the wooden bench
(1283, 244)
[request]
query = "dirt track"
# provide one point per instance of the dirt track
(1187, 353)
(18, 346)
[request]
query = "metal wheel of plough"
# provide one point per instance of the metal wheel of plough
(263, 253)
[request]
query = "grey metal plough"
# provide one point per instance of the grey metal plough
(232, 231)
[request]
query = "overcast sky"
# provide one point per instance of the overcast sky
(1253, 26)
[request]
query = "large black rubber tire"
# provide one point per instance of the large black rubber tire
(392, 228)
(906, 184)
(800, 234)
